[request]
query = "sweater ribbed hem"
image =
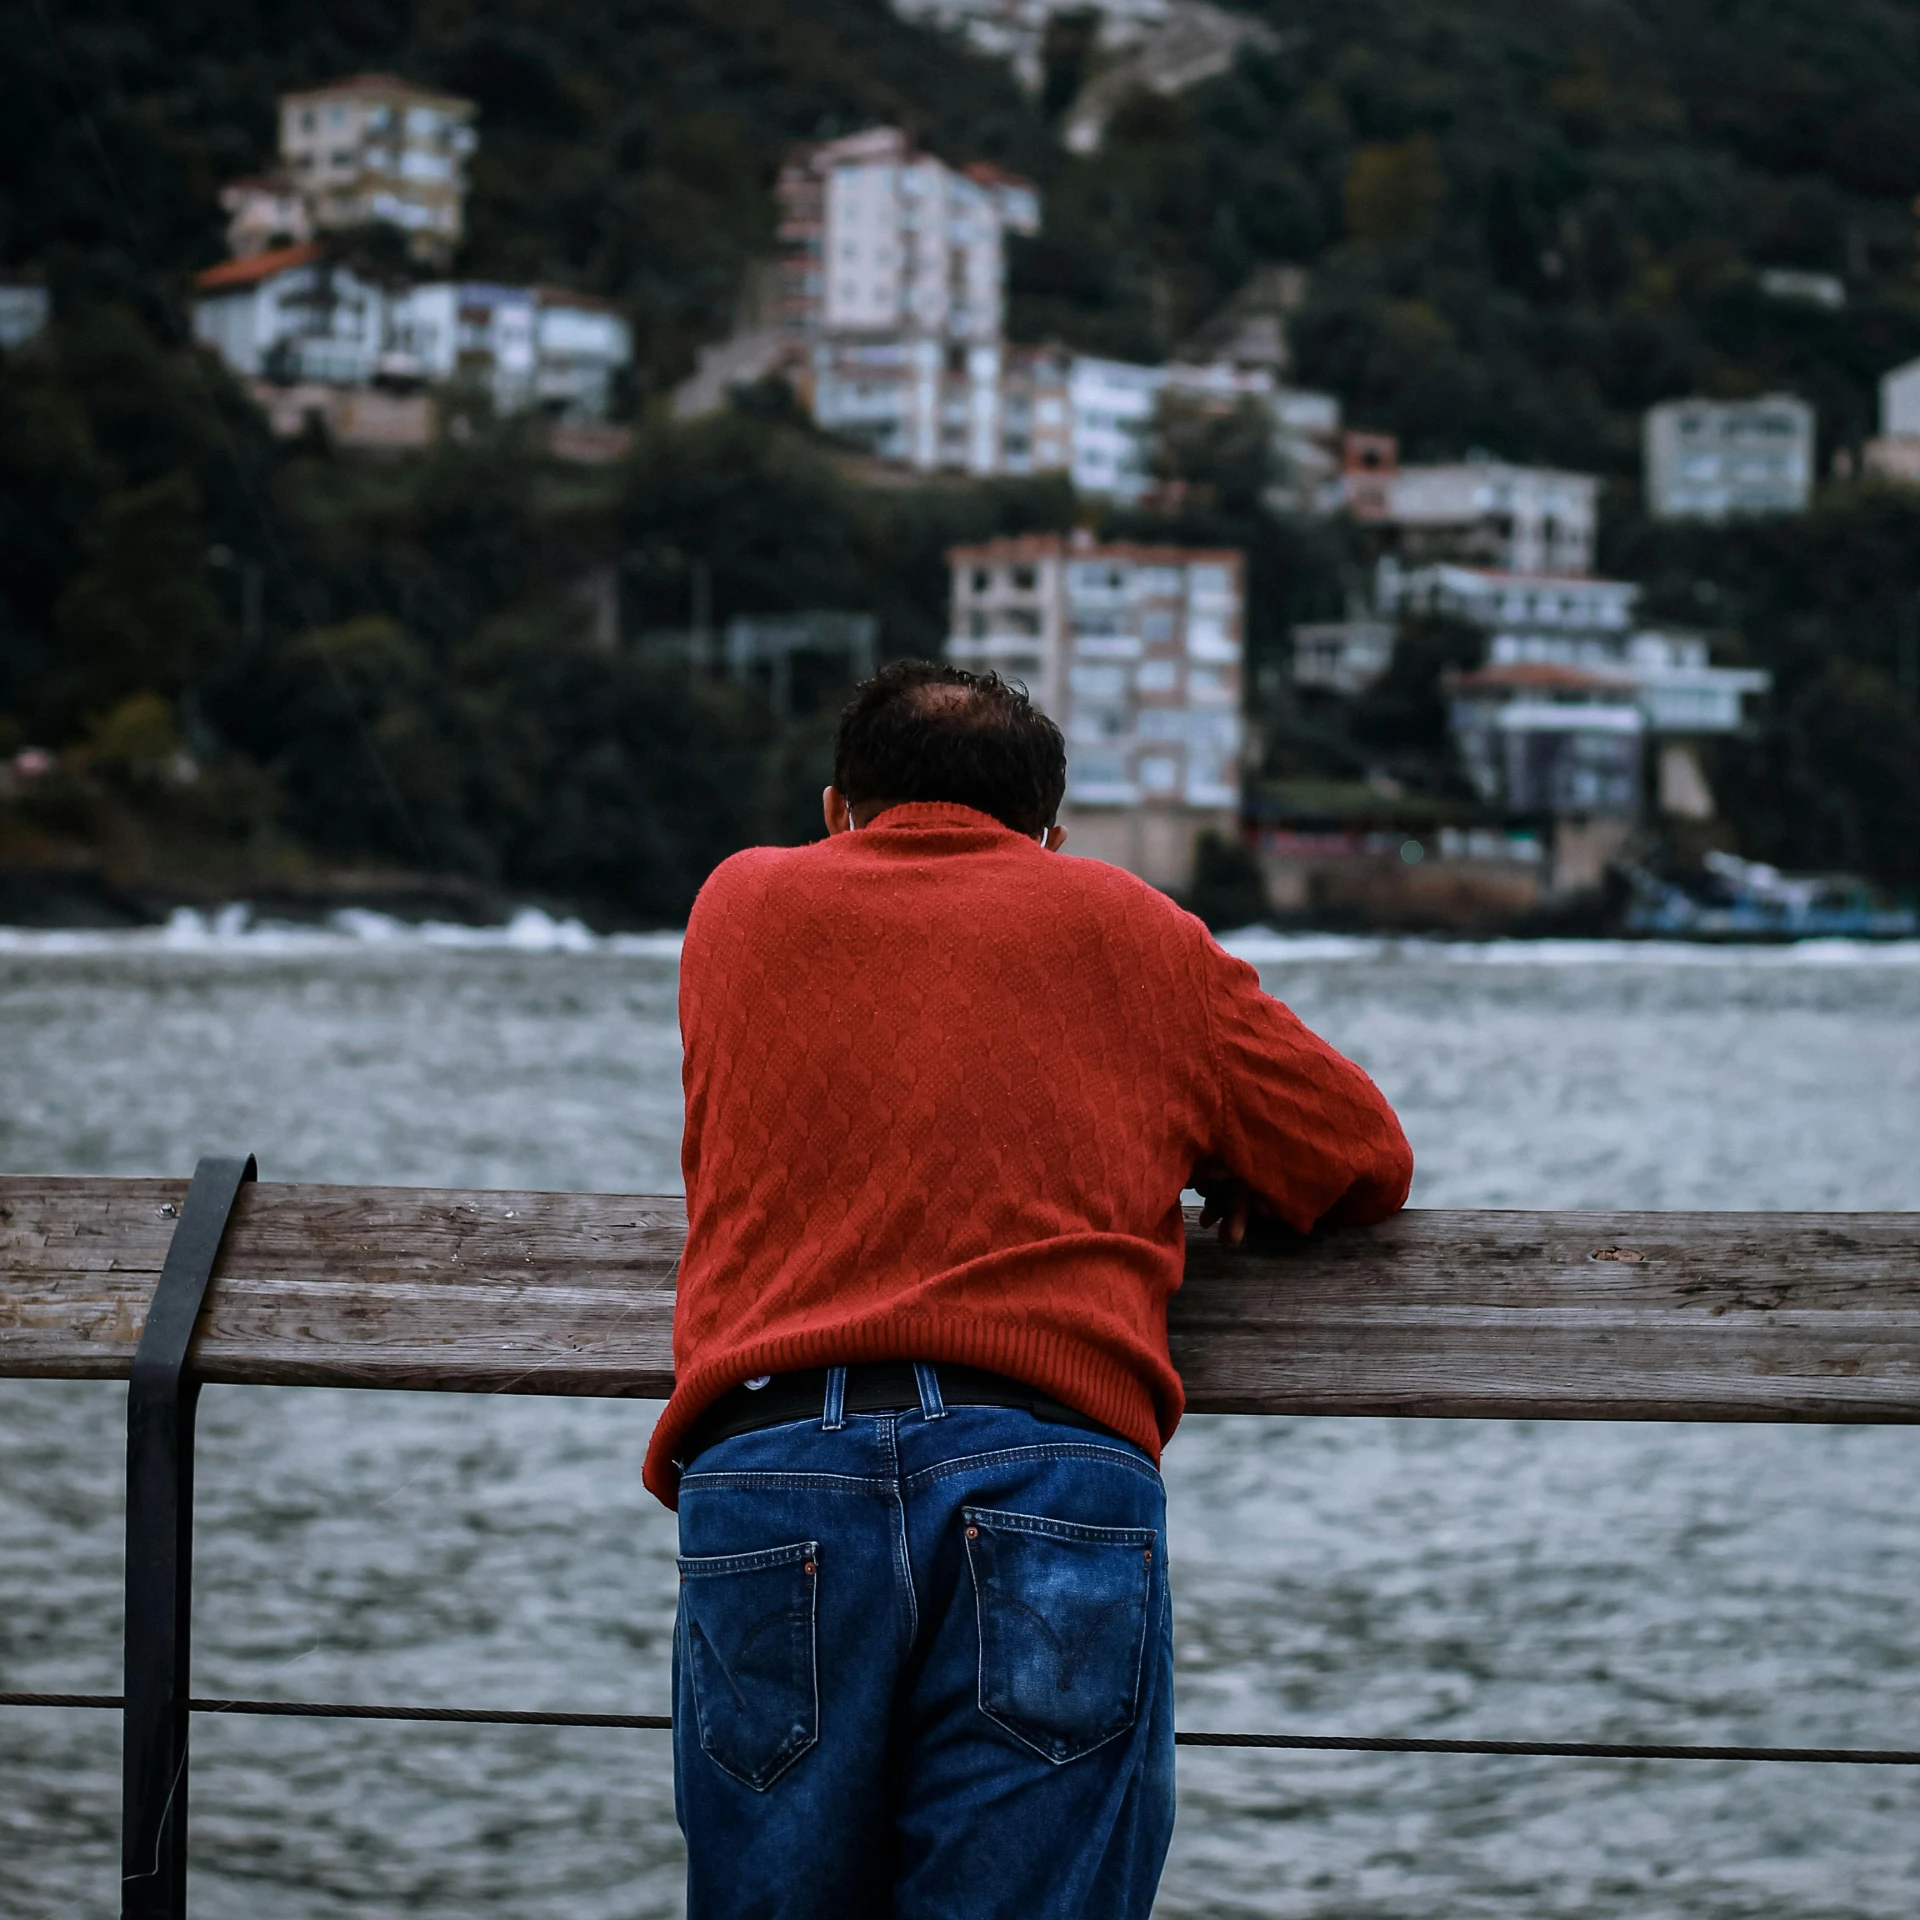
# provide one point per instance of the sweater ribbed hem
(1139, 1396)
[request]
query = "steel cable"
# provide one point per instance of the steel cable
(1274, 1742)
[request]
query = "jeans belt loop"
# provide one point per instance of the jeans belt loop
(833, 1416)
(928, 1381)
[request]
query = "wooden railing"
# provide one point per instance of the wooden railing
(1577, 1316)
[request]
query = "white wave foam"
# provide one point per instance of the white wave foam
(235, 929)
(1263, 946)
(1259, 944)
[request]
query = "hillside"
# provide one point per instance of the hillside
(1526, 222)
(1523, 223)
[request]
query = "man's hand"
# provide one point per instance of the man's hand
(1230, 1202)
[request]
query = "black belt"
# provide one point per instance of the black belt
(876, 1386)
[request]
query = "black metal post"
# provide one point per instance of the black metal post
(160, 1407)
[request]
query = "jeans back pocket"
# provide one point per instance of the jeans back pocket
(1062, 1612)
(747, 1638)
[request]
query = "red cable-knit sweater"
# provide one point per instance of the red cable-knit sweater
(943, 1091)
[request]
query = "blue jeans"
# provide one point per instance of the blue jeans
(923, 1670)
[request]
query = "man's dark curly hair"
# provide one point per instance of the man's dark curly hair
(921, 730)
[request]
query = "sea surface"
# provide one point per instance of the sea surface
(1739, 1584)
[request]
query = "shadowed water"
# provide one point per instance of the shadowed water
(1751, 1584)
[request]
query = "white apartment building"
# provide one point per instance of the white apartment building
(1480, 510)
(893, 277)
(527, 346)
(1498, 601)
(374, 148)
(1712, 459)
(1015, 30)
(1113, 404)
(1900, 401)
(1136, 652)
(1583, 624)
(1895, 453)
(296, 315)
(293, 314)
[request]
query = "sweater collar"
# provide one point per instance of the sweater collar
(938, 816)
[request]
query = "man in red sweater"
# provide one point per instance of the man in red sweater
(943, 1093)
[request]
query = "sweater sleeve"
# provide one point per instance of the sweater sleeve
(1300, 1124)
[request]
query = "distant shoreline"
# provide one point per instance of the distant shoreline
(251, 929)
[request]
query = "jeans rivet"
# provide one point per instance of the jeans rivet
(808, 1568)
(973, 1533)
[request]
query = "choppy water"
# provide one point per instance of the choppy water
(1742, 1584)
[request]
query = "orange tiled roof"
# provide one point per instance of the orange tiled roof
(255, 267)
(1533, 673)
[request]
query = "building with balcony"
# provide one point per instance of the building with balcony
(376, 149)
(523, 346)
(1479, 511)
(893, 289)
(302, 316)
(1537, 739)
(1137, 652)
(1584, 625)
(293, 315)
(1715, 459)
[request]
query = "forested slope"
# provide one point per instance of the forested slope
(1524, 222)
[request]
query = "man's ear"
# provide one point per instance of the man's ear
(834, 809)
(1056, 839)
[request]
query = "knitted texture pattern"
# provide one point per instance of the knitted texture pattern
(943, 1090)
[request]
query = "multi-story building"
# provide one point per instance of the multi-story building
(1115, 404)
(1112, 405)
(1537, 738)
(300, 315)
(525, 346)
(1136, 651)
(1895, 453)
(1713, 459)
(1500, 601)
(1036, 411)
(1584, 624)
(1481, 511)
(893, 281)
(1015, 30)
(294, 314)
(1556, 722)
(376, 149)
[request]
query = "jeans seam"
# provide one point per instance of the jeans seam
(779, 1477)
(902, 1551)
(1043, 1450)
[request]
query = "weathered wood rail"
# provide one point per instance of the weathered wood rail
(1703, 1316)
(1673, 1316)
